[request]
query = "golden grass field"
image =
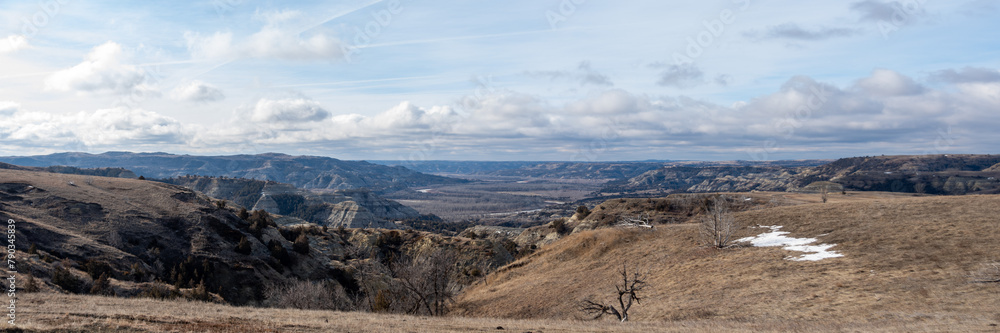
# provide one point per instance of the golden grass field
(906, 268)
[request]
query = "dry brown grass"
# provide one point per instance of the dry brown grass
(906, 260)
(906, 267)
(43, 312)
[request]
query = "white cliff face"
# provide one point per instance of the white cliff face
(351, 209)
(266, 204)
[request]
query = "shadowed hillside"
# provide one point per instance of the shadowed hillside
(130, 237)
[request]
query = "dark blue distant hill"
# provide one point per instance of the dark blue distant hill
(302, 171)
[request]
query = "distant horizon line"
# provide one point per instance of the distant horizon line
(112, 152)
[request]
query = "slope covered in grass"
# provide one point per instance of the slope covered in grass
(903, 259)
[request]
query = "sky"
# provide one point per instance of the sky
(554, 80)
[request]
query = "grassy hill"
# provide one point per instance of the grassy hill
(904, 258)
(908, 265)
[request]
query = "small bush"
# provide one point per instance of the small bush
(97, 268)
(243, 247)
(279, 252)
(31, 285)
(65, 279)
(301, 244)
(582, 212)
(102, 286)
(559, 225)
(159, 291)
(200, 293)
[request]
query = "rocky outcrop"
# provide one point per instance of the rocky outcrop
(333, 208)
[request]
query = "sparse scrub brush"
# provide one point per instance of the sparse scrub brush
(31, 285)
(559, 225)
(102, 286)
(243, 247)
(65, 279)
(301, 244)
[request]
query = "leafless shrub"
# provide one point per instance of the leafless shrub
(718, 223)
(379, 293)
(987, 273)
(428, 279)
(356, 251)
(628, 289)
(307, 295)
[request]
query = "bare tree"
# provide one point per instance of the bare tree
(718, 223)
(628, 289)
(429, 280)
(637, 221)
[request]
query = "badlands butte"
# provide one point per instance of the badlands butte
(129, 242)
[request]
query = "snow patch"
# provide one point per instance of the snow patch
(424, 190)
(778, 238)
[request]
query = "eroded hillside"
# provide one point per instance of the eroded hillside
(930, 174)
(130, 237)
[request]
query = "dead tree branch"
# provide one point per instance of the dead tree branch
(628, 289)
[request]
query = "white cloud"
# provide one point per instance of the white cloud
(102, 70)
(583, 74)
(966, 75)
(275, 40)
(885, 82)
(115, 127)
(885, 109)
(8, 108)
(197, 91)
(288, 111)
(13, 43)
